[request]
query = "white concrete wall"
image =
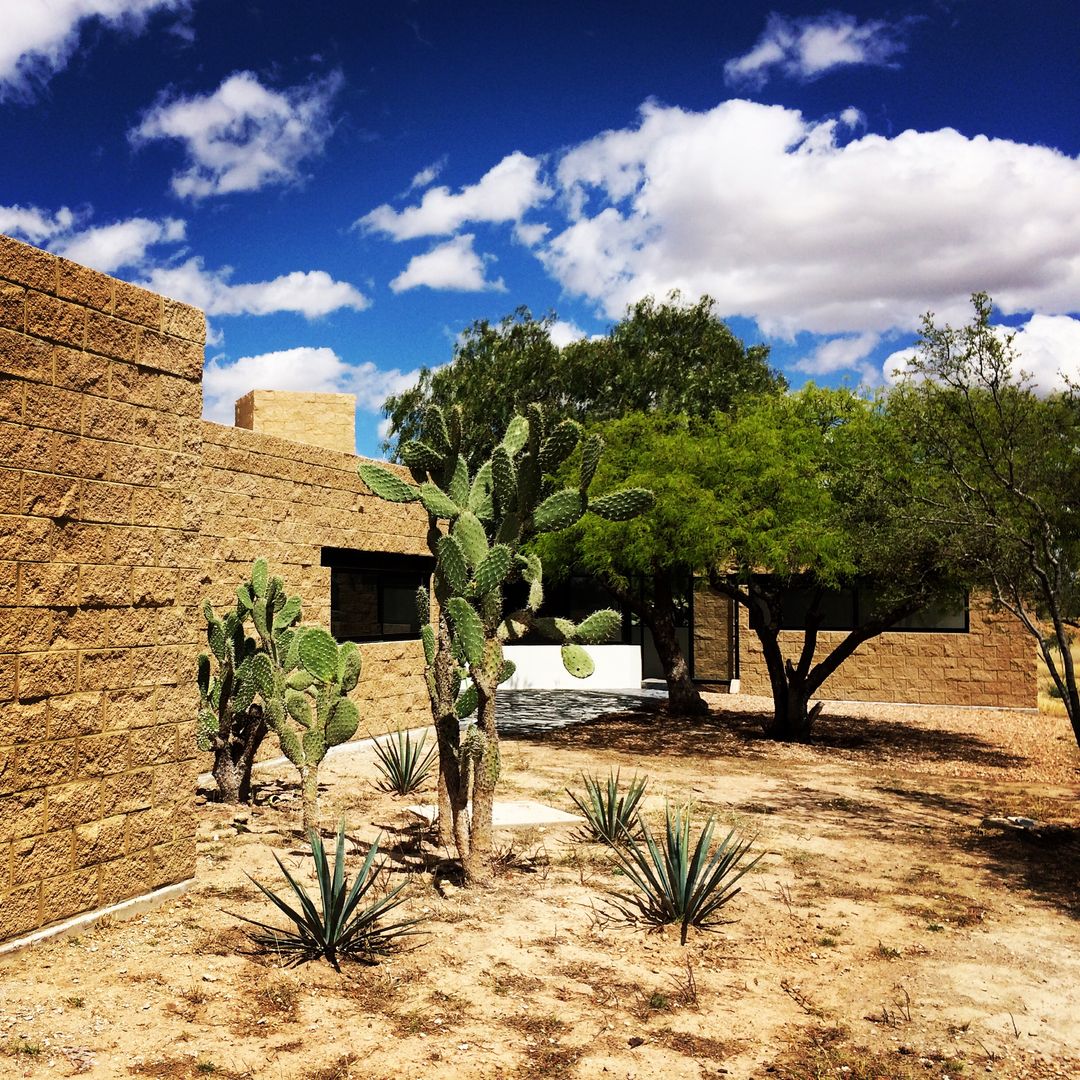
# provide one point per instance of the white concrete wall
(540, 667)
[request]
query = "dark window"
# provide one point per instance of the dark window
(845, 609)
(373, 594)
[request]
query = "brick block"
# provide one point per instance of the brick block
(184, 321)
(44, 495)
(26, 265)
(20, 909)
(137, 305)
(55, 320)
(99, 841)
(12, 393)
(22, 814)
(78, 629)
(39, 764)
(10, 491)
(153, 745)
(68, 805)
(44, 584)
(151, 586)
(12, 307)
(26, 629)
(80, 284)
(53, 407)
(173, 863)
(102, 755)
(125, 792)
(26, 447)
(43, 674)
(81, 371)
(105, 669)
(157, 508)
(102, 419)
(74, 715)
(105, 586)
(37, 857)
(71, 894)
(170, 354)
(106, 503)
(111, 337)
(145, 828)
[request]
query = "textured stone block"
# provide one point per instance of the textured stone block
(153, 745)
(72, 804)
(26, 265)
(48, 584)
(39, 764)
(20, 909)
(37, 857)
(25, 629)
(26, 447)
(44, 495)
(107, 503)
(137, 305)
(111, 337)
(10, 491)
(157, 508)
(81, 371)
(127, 877)
(75, 542)
(170, 354)
(80, 284)
(44, 674)
(135, 547)
(55, 320)
(174, 862)
(105, 586)
(153, 428)
(74, 715)
(154, 666)
(12, 307)
(12, 394)
(62, 897)
(53, 407)
(22, 814)
(174, 782)
(102, 419)
(152, 586)
(105, 669)
(184, 321)
(79, 629)
(102, 755)
(100, 841)
(146, 828)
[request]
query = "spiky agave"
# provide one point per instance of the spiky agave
(610, 814)
(402, 763)
(677, 882)
(341, 925)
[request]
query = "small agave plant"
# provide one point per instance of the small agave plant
(403, 765)
(346, 923)
(611, 815)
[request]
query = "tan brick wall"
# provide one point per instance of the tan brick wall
(713, 652)
(99, 565)
(992, 665)
(327, 420)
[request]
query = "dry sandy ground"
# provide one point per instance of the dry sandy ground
(885, 934)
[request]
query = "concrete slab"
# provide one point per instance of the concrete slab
(513, 814)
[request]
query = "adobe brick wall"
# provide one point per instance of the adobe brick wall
(713, 647)
(100, 560)
(992, 665)
(263, 495)
(327, 420)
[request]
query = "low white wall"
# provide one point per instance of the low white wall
(540, 667)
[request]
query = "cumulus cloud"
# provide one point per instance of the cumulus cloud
(843, 354)
(454, 265)
(1047, 348)
(40, 37)
(316, 370)
(34, 225)
(426, 176)
(801, 226)
(311, 293)
(563, 332)
(244, 136)
(502, 194)
(805, 48)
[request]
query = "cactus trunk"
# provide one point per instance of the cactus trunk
(477, 865)
(309, 780)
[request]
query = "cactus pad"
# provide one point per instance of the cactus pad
(314, 742)
(435, 429)
(466, 704)
(577, 661)
(343, 722)
(289, 613)
(452, 563)
(491, 573)
(559, 510)
(517, 434)
(558, 630)
(470, 534)
(260, 573)
(458, 485)
(559, 445)
(421, 457)
(590, 459)
(437, 503)
(387, 485)
(623, 505)
(469, 629)
(299, 707)
(427, 636)
(319, 653)
(599, 627)
(350, 663)
(503, 478)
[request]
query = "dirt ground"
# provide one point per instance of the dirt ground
(887, 932)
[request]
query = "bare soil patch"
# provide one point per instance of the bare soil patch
(887, 933)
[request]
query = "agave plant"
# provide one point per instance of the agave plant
(610, 815)
(402, 763)
(676, 882)
(345, 923)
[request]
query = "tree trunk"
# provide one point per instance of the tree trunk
(234, 755)
(446, 732)
(226, 775)
(309, 783)
(477, 863)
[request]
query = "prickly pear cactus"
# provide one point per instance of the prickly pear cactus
(480, 524)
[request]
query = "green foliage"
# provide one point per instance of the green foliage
(611, 815)
(345, 923)
(402, 763)
(676, 881)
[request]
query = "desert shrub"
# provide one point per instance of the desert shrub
(611, 815)
(402, 763)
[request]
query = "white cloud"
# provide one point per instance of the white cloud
(530, 234)
(244, 136)
(124, 243)
(842, 354)
(454, 265)
(807, 47)
(502, 194)
(563, 332)
(310, 293)
(783, 221)
(40, 36)
(34, 225)
(316, 370)
(426, 176)
(1047, 348)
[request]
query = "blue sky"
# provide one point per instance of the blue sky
(344, 187)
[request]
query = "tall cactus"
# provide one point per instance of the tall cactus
(489, 517)
(230, 722)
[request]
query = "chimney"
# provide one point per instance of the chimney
(316, 419)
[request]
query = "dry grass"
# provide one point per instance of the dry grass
(1052, 706)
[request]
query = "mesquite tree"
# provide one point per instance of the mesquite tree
(490, 516)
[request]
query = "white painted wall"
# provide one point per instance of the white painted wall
(540, 667)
